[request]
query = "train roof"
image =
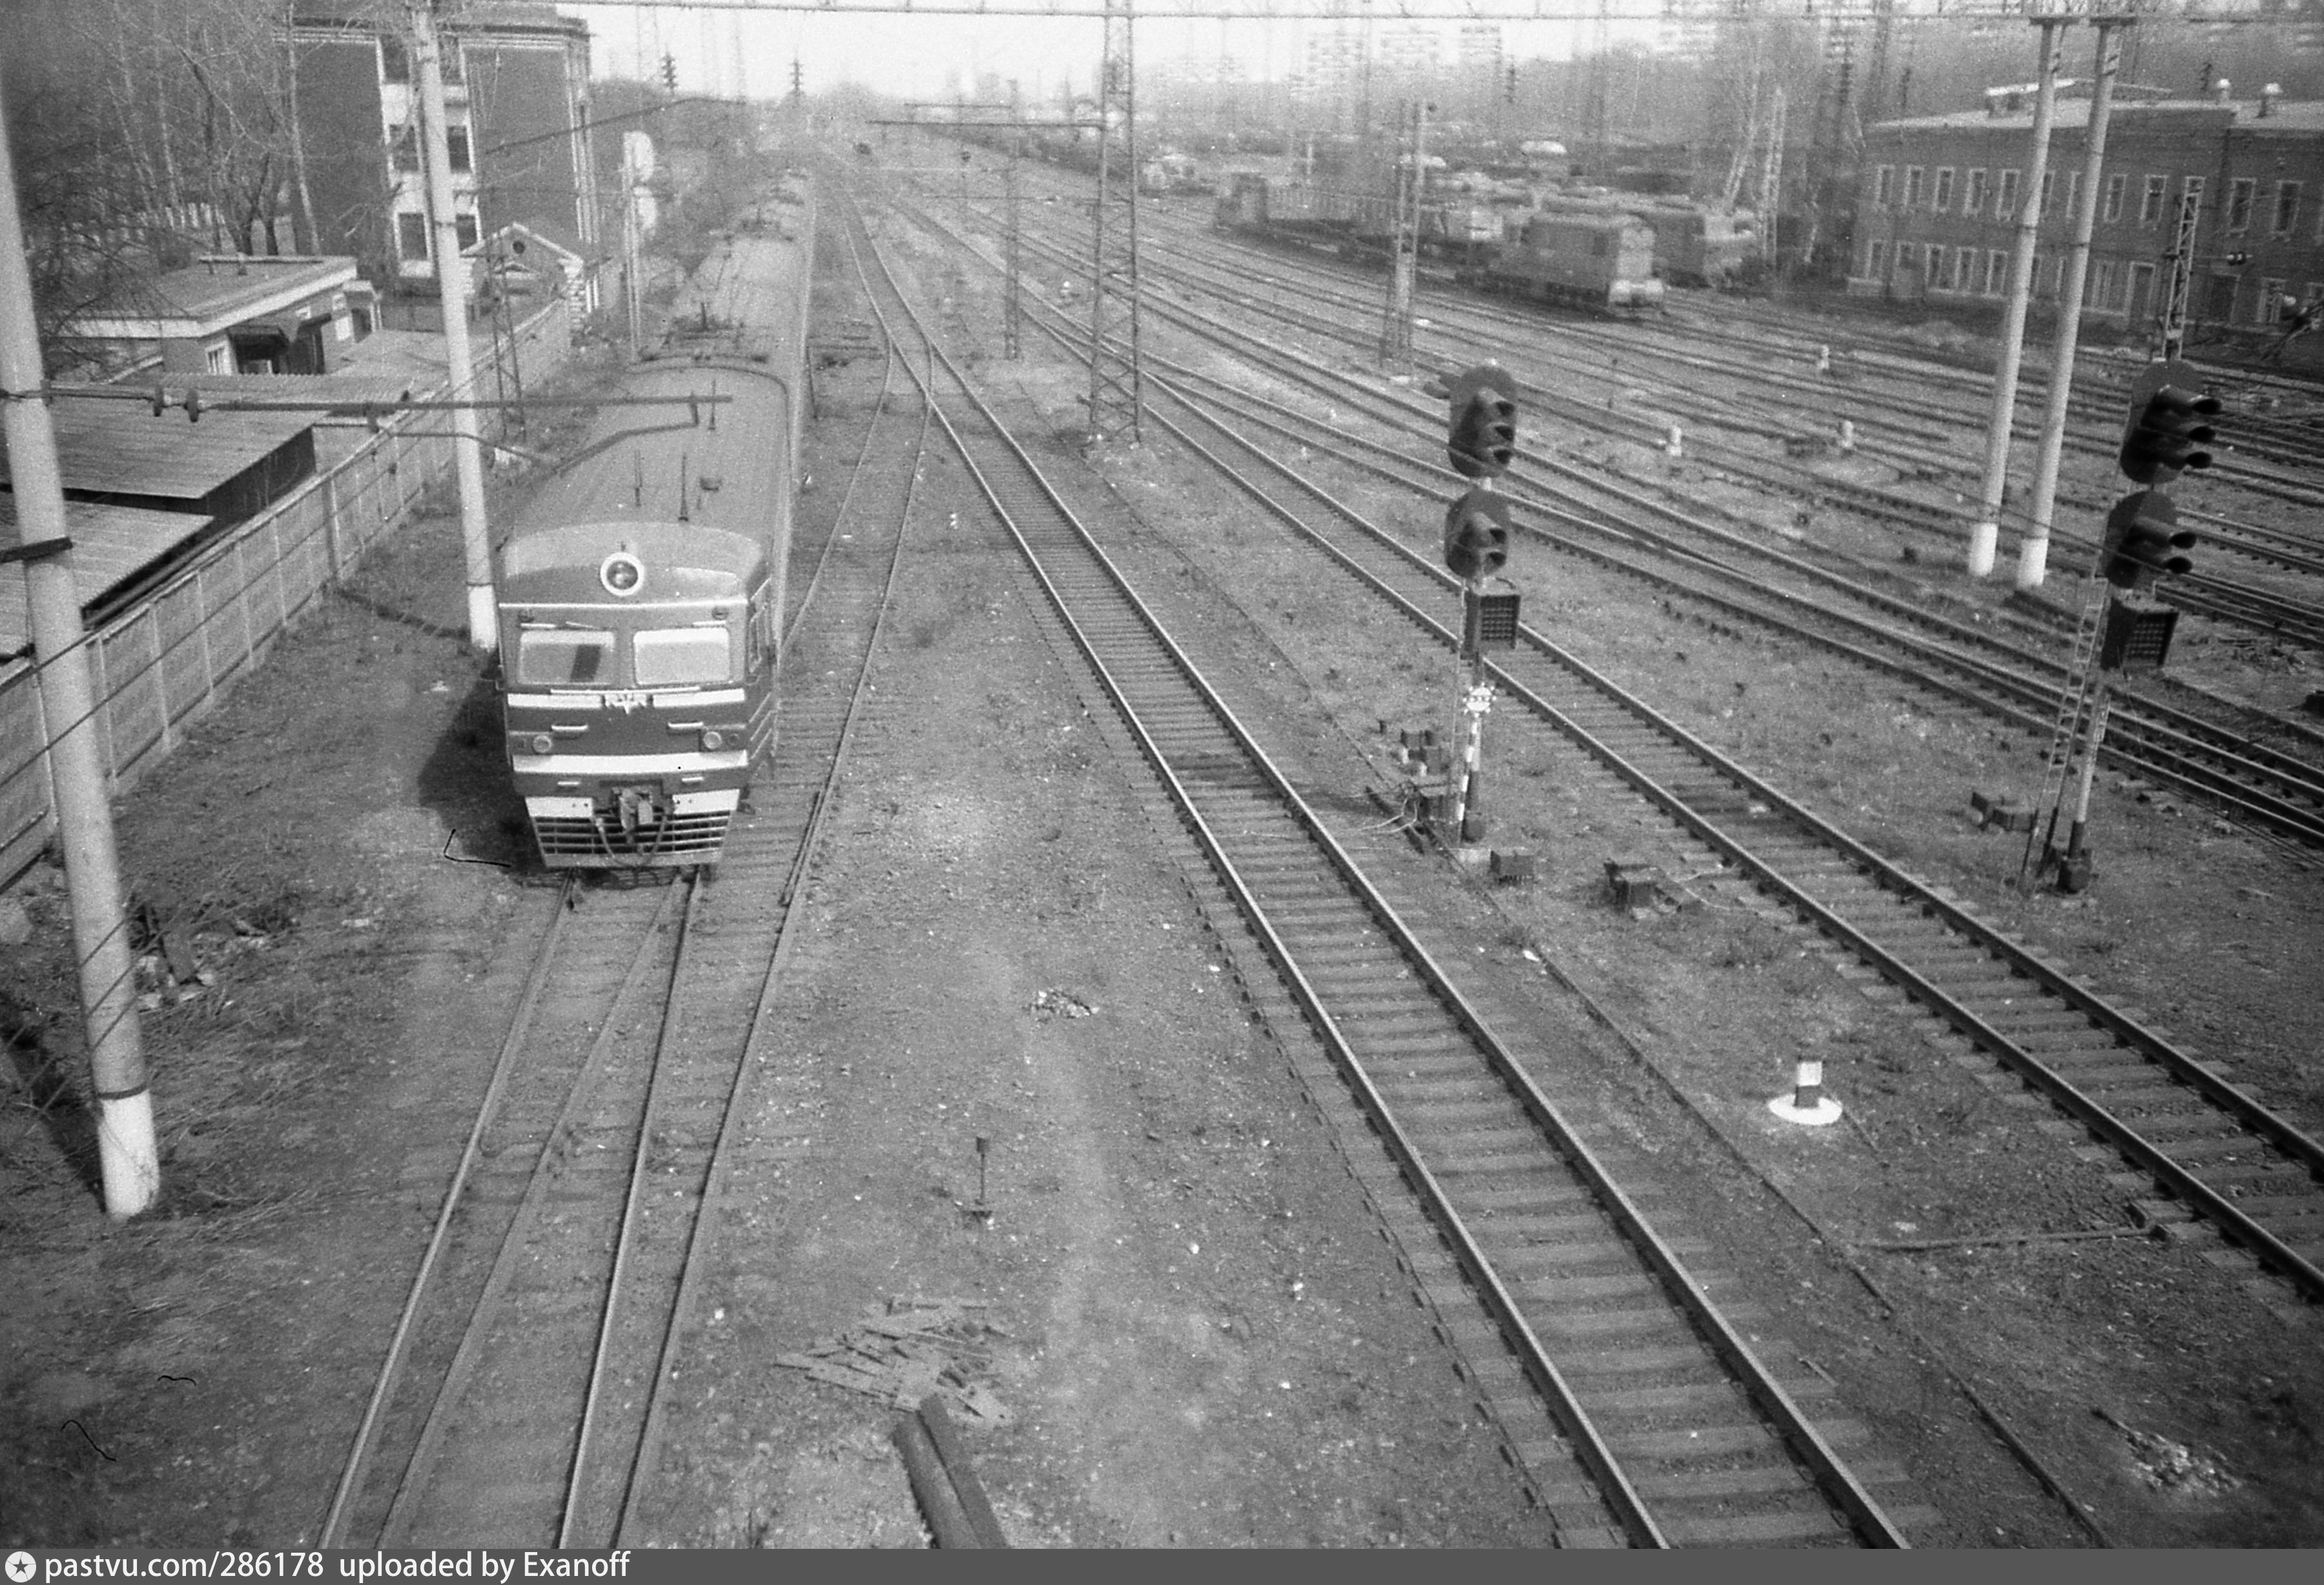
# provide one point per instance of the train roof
(689, 560)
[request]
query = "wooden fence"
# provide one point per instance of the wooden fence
(163, 664)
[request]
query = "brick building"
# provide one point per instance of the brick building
(516, 89)
(1938, 206)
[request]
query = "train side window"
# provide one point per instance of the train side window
(565, 656)
(671, 656)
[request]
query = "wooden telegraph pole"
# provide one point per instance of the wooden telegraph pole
(128, 1162)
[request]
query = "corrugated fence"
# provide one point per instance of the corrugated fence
(162, 665)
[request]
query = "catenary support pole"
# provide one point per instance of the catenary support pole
(452, 284)
(1985, 536)
(128, 1162)
(2033, 555)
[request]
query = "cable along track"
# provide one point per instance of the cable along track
(524, 1398)
(1684, 1434)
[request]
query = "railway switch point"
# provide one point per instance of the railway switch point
(1806, 1103)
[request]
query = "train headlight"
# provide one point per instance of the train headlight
(542, 743)
(621, 574)
(713, 739)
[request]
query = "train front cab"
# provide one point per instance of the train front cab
(636, 687)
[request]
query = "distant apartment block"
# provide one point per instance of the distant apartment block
(516, 86)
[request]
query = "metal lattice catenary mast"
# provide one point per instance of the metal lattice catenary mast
(1117, 397)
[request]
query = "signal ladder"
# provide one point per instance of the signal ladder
(2075, 709)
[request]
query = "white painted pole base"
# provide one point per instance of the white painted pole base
(483, 620)
(2033, 563)
(1675, 448)
(1847, 435)
(127, 1156)
(1984, 540)
(1807, 1103)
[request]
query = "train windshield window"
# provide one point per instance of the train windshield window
(666, 657)
(565, 656)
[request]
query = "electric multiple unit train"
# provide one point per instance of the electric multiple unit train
(640, 599)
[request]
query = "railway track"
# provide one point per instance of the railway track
(1736, 577)
(1653, 1421)
(1760, 413)
(522, 1401)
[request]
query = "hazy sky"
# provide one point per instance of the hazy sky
(909, 56)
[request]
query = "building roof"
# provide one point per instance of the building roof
(121, 448)
(2288, 117)
(111, 545)
(209, 297)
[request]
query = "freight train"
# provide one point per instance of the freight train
(1584, 258)
(640, 599)
(1498, 243)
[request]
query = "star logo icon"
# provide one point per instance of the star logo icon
(21, 1567)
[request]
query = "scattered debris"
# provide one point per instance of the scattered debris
(1056, 1003)
(906, 1348)
(2167, 1465)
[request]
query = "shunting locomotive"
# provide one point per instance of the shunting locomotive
(640, 598)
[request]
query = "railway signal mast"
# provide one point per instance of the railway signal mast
(1481, 442)
(2163, 437)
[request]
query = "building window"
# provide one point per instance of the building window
(1940, 271)
(1883, 186)
(1876, 261)
(2057, 275)
(464, 226)
(2150, 208)
(2102, 287)
(219, 357)
(407, 148)
(2271, 305)
(456, 139)
(2287, 206)
(2191, 191)
(2239, 204)
(1917, 185)
(2113, 187)
(2048, 190)
(411, 235)
(1945, 188)
(2007, 205)
(2074, 193)
(1997, 272)
(1965, 268)
(1973, 193)
(394, 64)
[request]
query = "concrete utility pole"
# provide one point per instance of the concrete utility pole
(128, 1159)
(1985, 537)
(452, 285)
(2033, 555)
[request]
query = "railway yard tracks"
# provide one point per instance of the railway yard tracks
(2218, 752)
(2209, 1148)
(522, 1401)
